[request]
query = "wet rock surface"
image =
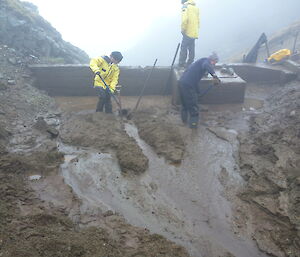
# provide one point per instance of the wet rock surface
(270, 163)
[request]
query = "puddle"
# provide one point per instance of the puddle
(184, 203)
(249, 104)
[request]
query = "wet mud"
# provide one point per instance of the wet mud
(106, 133)
(165, 138)
(78, 183)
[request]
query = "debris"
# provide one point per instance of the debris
(35, 177)
(11, 82)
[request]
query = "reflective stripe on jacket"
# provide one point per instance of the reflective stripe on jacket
(109, 72)
(190, 21)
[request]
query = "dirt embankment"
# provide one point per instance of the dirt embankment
(270, 163)
(105, 133)
(155, 129)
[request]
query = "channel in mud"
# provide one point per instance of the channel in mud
(183, 203)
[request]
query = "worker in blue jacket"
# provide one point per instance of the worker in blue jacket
(188, 87)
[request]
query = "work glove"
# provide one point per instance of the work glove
(216, 80)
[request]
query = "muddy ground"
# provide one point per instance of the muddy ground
(72, 182)
(41, 219)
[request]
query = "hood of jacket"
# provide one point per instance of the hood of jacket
(192, 2)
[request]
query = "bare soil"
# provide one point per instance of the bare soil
(160, 133)
(45, 217)
(104, 132)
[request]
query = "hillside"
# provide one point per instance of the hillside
(22, 28)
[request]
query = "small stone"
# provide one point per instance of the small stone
(54, 132)
(292, 113)
(11, 82)
(108, 213)
(12, 61)
(35, 177)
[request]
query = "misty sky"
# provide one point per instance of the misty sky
(147, 29)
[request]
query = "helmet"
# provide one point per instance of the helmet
(117, 56)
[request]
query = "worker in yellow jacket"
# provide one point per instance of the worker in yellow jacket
(190, 22)
(107, 68)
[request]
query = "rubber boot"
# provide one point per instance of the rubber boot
(184, 116)
(193, 122)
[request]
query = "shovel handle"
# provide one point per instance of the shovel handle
(108, 90)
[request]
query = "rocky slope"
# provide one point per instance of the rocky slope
(22, 28)
(270, 164)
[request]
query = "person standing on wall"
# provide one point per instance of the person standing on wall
(190, 23)
(189, 90)
(106, 68)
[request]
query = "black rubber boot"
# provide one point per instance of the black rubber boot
(184, 116)
(193, 122)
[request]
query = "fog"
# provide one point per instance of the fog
(145, 30)
(228, 27)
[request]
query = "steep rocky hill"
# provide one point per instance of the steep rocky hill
(22, 28)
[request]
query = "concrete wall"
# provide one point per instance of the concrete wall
(231, 90)
(77, 80)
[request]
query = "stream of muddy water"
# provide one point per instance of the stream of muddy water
(185, 203)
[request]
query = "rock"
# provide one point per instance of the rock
(11, 82)
(35, 177)
(52, 131)
(293, 113)
(108, 213)
(12, 61)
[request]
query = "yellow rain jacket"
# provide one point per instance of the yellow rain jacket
(109, 72)
(279, 55)
(190, 21)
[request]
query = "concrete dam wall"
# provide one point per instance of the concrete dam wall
(77, 80)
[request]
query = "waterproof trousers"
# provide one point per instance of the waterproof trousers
(189, 105)
(187, 49)
(104, 101)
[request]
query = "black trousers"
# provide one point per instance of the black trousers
(189, 104)
(187, 49)
(104, 101)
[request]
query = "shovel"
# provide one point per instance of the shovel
(120, 110)
(129, 116)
